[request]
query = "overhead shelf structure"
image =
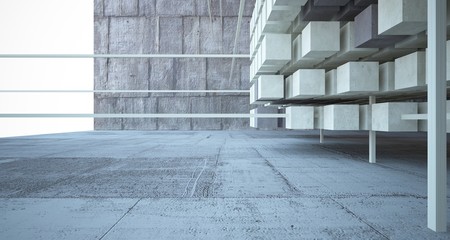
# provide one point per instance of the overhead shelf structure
(356, 65)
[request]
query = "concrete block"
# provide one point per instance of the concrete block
(366, 30)
(276, 49)
(218, 75)
(206, 105)
(308, 83)
(270, 87)
(288, 2)
(132, 35)
(174, 105)
(128, 74)
(190, 75)
(402, 17)
(348, 12)
(107, 105)
(175, 7)
(278, 12)
(235, 104)
(316, 39)
(297, 60)
(410, 71)
(331, 82)
(387, 77)
(300, 117)
(423, 109)
(138, 105)
(210, 35)
(101, 35)
(170, 35)
(275, 27)
(365, 121)
(318, 117)
(386, 117)
(348, 50)
(121, 7)
(229, 35)
(357, 77)
(288, 87)
(191, 35)
(147, 8)
(341, 117)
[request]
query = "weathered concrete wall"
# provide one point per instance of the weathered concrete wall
(169, 27)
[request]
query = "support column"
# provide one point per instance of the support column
(437, 137)
(321, 136)
(372, 134)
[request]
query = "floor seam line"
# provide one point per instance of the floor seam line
(359, 218)
(120, 219)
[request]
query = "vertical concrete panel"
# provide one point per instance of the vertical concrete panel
(206, 105)
(101, 35)
(218, 75)
(210, 35)
(190, 75)
(161, 75)
(138, 105)
(175, 7)
(191, 35)
(235, 104)
(174, 105)
(132, 35)
(170, 35)
(121, 7)
(101, 76)
(98, 8)
(128, 74)
(107, 105)
(147, 7)
(229, 35)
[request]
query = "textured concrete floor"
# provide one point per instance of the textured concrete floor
(213, 185)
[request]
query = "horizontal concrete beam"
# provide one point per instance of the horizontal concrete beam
(149, 115)
(422, 116)
(124, 55)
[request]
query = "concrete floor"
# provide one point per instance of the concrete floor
(213, 185)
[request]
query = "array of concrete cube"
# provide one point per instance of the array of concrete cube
(337, 50)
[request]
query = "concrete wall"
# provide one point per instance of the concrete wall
(170, 27)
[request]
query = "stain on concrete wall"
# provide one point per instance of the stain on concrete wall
(170, 27)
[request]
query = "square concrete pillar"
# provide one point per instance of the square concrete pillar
(253, 122)
(301, 117)
(410, 71)
(348, 49)
(308, 83)
(402, 17)
(358, 77)
(320, 39)
(318, 117)
(387, 77)
(276, 49)
(386, 117)
(341, 117)
(364, 117)
(253, 94)
(297, 59)
(270, 87)
(331, 82)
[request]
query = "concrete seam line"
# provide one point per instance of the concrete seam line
(120, 219)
